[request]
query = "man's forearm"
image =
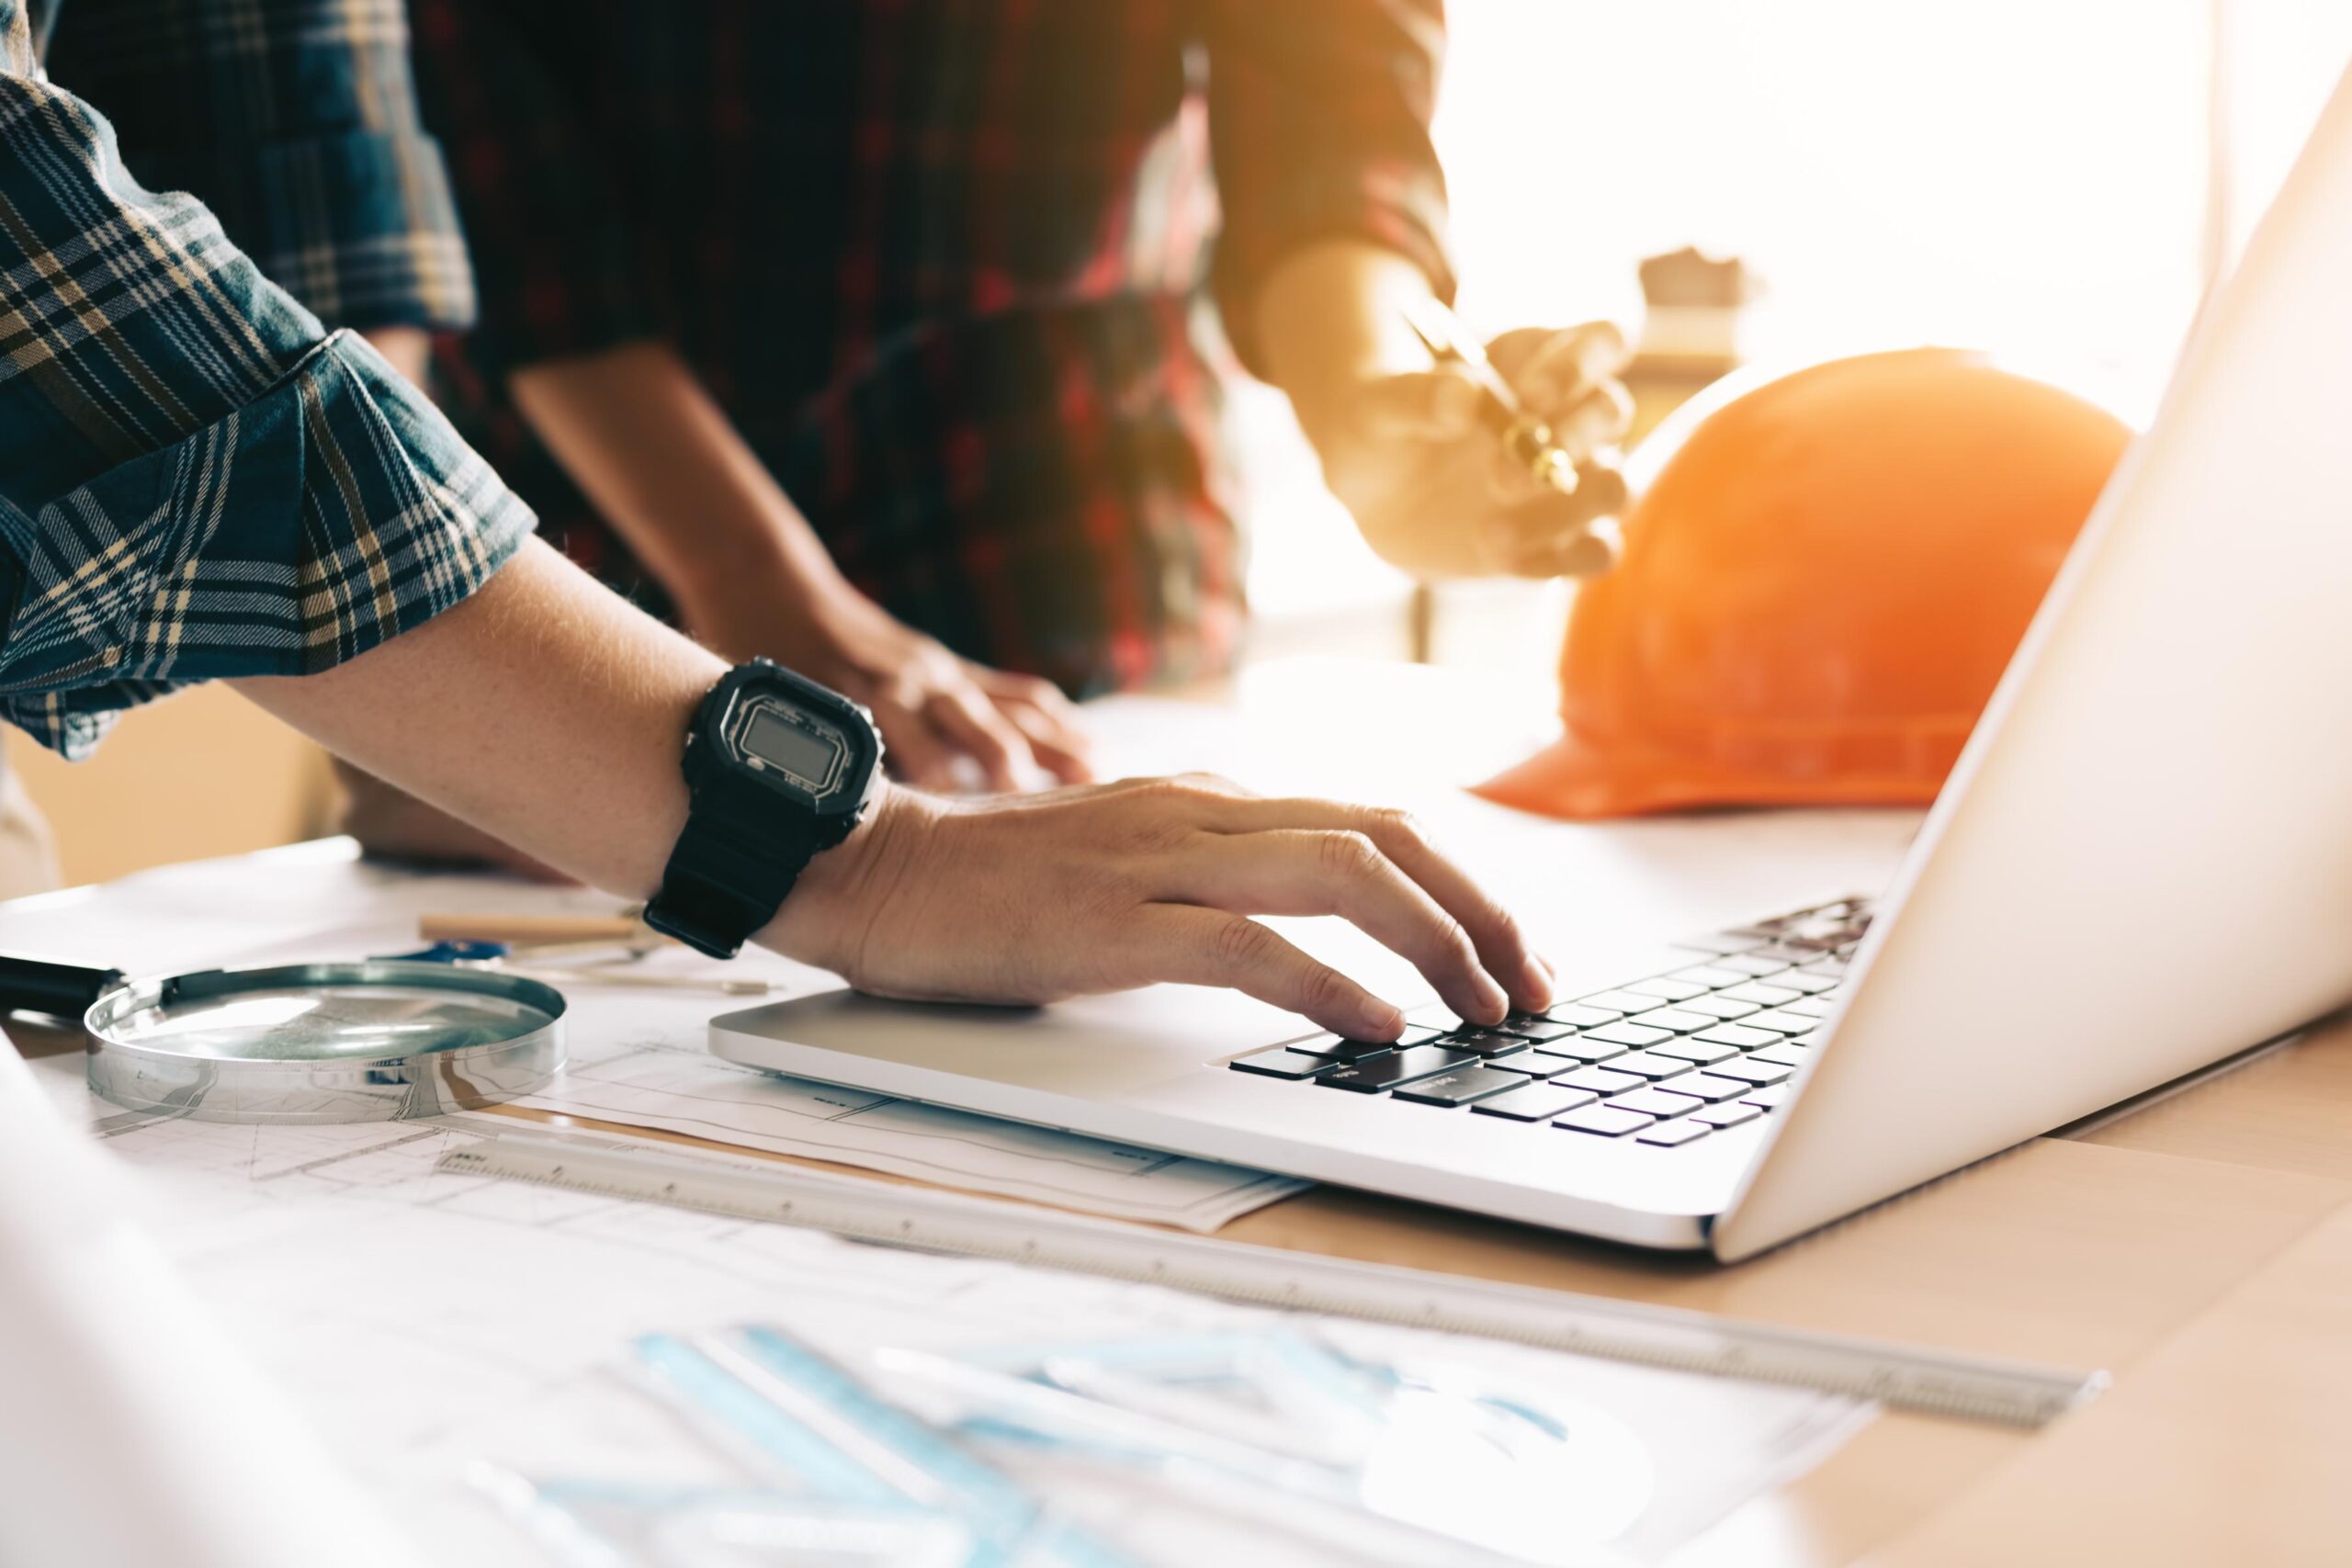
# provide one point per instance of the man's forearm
(640, 436)
(550, 713)
(407, 349)
(544, 710)
(1333, 316)
(662, 463)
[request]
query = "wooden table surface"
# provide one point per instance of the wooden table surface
(2200, 1249)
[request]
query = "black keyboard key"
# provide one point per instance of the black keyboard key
(1690, 1048)
(1535, 1102)
(1666, 988)
(1728, 1115)
(1605, 1120)
(1739, 1036)
(1282, 1065)
(1461, 1087)
(1648, 1065)
(1710, 1087)
(1332, 1048)
(1579, 1048)
(1748, 1070)
(1409, 1066)
(1633, 1036)
(1673, 1135)
(1483, 1042)
(1600, 1080)
(1658, 1102)
(1674, 1020)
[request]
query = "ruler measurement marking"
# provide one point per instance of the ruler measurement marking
(1929, 1382)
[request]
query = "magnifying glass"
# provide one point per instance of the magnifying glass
(378, 1040)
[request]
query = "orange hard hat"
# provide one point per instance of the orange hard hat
(1820, 587)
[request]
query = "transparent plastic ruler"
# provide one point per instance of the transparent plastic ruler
(1901, 1377)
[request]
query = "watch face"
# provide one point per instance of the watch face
(789, 747)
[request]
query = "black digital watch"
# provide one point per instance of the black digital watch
(779, 770)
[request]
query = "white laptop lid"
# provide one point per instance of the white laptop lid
(2143, 860)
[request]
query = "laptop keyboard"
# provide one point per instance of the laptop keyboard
(1664, 1060)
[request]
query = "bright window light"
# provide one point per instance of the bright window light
(2031, 176)
(2026, 176)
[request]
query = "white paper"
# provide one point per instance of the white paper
(136, 1431)
(425, 1322)
(637, 1056)
(694, 1092)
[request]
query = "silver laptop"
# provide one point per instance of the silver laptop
(2142, 866)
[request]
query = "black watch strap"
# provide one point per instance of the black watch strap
(731, 868)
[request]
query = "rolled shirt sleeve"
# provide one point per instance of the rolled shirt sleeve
(1319, 128)
(196, 480)
(296, 122)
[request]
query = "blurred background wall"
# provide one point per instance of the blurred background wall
(203, 773)
(2053, 179)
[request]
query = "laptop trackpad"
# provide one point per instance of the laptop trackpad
(1095, 1044)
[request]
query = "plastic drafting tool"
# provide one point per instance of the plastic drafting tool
(1901, 1377)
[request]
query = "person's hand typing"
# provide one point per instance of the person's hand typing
(1033, 900)
(947, 723)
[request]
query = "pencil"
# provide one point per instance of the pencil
(1528, 439)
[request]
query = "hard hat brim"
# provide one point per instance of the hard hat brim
(1570, 779)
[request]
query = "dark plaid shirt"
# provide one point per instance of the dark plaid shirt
(196, 479)
(296, 122)
(945, 263)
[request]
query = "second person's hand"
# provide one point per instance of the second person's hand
(1435, 490)
(943, 719)
(1033, 899)
(635, 429)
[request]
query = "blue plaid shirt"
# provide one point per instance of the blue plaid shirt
(197, 480)
(296, 122)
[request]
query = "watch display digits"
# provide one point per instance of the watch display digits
(802, 748)
(779, 769)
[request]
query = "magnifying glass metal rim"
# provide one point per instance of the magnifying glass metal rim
(404, 1082)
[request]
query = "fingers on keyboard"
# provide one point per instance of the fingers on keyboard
(1662, 1061)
